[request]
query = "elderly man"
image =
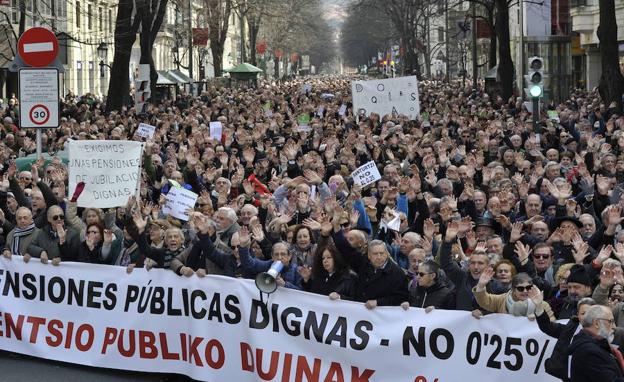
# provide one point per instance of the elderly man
(20, 237)
(594, 359)
(55, 240)
(400, 252)
(227, 225)
(379, 282)
(289, 277)
(432, 292)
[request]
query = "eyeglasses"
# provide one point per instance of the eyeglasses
(234, 247)
(522, 288)
(24, 178)
(423, 274)
(609, 320)
(542, 256)
(58, 217)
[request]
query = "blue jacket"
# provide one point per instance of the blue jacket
(254, 266)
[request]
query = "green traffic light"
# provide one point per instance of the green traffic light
(535, 91)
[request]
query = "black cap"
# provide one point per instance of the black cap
(484, 221)
(556, 222)
(579, 275)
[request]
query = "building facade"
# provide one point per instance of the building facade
(585, 20)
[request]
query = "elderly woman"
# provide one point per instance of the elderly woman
(516, 301)
(302, 246)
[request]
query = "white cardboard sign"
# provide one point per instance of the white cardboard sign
(146, 131)
(216, 130)
(387, 96)
(110, 170)
(39, 97)
(178, 201)
(366, 174)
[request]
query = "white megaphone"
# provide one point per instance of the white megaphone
(265, 281)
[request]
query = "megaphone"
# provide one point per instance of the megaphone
(265, 281)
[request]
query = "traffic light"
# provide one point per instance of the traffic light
(535, 77)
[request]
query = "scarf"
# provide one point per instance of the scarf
(124, 259)
(618, 356)
(18, 234)
(519, 308)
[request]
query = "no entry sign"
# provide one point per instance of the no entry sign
(39, 97)
(38, 47)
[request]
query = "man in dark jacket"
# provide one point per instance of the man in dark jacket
(558, 363)
(593, 357)
(379, 280)
(431, 290)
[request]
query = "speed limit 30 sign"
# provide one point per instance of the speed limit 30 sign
(39, 97)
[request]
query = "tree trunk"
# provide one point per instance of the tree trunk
(125, 35)
(254, 28)
(611, 81)
(493, 40)
(505, 66)
(217, 58)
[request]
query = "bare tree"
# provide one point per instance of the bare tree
(152, 13)
(218, 16)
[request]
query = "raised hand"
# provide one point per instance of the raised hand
(139, 221)
(536, 295)
(451, 231)
(428, 228)
(305, 272)
(485, 278)
(516, 232)
(244, 237)
(257, 232)
(522, 251)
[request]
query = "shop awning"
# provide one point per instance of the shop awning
(164, 78)
(179, 77)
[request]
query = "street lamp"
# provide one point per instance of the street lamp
(102, 51)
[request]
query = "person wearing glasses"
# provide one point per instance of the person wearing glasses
(515, 302)
(432, 291)
(55, 241)
(594, 359)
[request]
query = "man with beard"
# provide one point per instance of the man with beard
(579, 286)
(589, 226)
(594, 359)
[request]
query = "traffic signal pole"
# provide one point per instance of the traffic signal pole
(536, 115)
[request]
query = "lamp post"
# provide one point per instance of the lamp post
(102, 51)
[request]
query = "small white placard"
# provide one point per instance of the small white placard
(366, 174)
(146, 131)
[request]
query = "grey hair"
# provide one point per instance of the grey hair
(594, 313)
(377, 243)
(586, 301)
(521, 278)
(229, 213)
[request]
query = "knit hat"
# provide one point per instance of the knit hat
(579, 275)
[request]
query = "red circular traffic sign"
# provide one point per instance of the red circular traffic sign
(39, 114)
(38, 47)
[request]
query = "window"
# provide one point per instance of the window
(89, 16)
(14, 12)
(100, 16)
(441, 34)
(78, 10)
(110, 21)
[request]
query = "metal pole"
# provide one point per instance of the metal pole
(474, 46)
(190, 42)
(39, 149)
(520, 77)
(536, 115)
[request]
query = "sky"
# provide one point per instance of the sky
(335, 11)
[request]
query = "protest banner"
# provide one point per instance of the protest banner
(366, 174)
(179, 200)
(387, 96)
(111, 171)
(216, 328)
(146, 131)
(303, 120)
(216, 130)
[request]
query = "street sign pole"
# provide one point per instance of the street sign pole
(39, 149)
(536, 115)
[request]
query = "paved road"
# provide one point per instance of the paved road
(17, 368)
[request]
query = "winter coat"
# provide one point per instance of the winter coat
(438, 295)
(47, 241)
(339, 282)
(558, 363)
(205, 255)
(496, 303)
(592, 360)
(254, 266)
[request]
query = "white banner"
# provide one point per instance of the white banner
(386, 96)
(110, 170)
(366, 174)
(216, 329)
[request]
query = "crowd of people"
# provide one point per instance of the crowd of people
(477, 209)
